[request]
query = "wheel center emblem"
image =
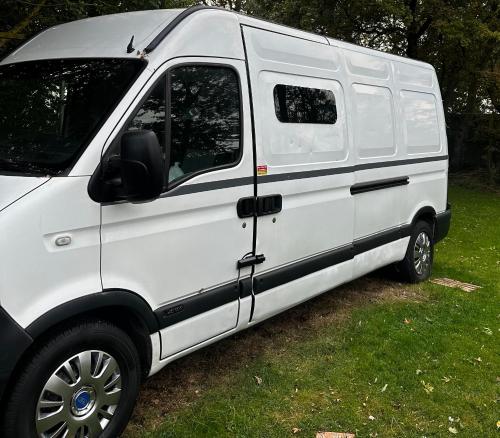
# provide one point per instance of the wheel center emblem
(83, 401)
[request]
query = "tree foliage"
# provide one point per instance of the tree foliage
(460, 38)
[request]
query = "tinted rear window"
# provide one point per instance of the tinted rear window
(295, 104)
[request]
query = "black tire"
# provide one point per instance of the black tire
(86, 335)
(407, 267)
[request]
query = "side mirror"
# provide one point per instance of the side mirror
(142, 167)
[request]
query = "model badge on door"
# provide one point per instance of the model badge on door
(174, 310)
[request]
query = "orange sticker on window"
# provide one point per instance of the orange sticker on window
(261, 170)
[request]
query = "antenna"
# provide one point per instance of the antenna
(130, 47)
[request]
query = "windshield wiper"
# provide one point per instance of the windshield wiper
(23, 168)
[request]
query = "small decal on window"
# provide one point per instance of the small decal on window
(261, 170)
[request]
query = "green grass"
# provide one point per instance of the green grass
(366, 350)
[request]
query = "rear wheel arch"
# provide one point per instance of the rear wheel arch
(426, 214)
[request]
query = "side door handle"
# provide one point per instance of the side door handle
(270, 204)
(259, 206)
(251, 261)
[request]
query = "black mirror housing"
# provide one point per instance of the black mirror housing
(142, 166)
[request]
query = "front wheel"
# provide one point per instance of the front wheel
(417, 264)
(82, 383)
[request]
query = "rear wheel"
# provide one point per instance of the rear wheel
(82, 383)
(417, 264)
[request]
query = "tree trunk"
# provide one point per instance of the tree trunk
(458, 156)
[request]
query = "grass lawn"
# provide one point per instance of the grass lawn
(373, 357)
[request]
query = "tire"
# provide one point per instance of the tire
(86, 376)
(421, 240)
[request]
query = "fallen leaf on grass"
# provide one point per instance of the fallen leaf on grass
(419, 372)
(453, 430)
(407, 321)
(498, 424)
(446, 379)
(296, 430)
(384, 388)
(371, 417)
(428, 388)
(258, 380)
(487, 331)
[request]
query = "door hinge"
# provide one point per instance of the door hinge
(251, 261)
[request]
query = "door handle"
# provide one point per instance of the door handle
(259, 206)
(246, 207)
(251, 261)
(270, 204)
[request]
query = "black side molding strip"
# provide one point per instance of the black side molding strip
(171, 26)
(189, 189)
(379, 185)
(313, 264)
(196, 304)
(382, 238)
(208, 186)
(380, 164)
(301, 268)
(243, 181)
(345, 169)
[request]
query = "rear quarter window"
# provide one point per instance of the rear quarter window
(373, 117)
(420, 122)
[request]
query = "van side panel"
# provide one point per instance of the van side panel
(380, 188)
(396, 117)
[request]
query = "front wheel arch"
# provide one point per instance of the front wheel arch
(87, 333)
(125, 309)
(98, 302)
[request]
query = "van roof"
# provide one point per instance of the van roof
(103, 36)
(109, 36)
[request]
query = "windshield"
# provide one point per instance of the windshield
(51, 109)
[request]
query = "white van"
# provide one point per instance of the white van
(171, 177)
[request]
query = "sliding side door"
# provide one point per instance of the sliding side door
(304, 209)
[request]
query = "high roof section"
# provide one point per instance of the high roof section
(109, 35)
(105, 36)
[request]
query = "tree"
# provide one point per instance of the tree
(460, 38)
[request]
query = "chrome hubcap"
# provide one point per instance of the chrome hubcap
(80, 397)
(422, 253)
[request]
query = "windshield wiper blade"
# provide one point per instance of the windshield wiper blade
(23, 168)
